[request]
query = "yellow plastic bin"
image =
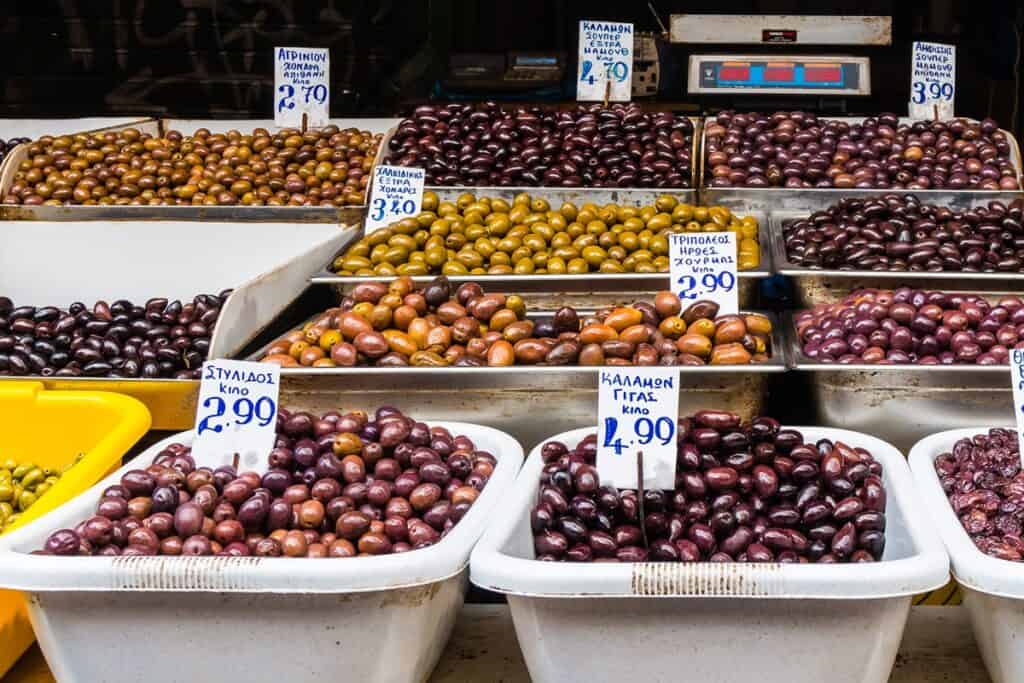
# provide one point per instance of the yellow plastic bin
(51, 428)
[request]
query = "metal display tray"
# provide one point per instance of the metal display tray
(590, 290)
(627, 196)
(781, 198)
(902, 404)
(100, 261)
(812, 286)
(531, 402)
(346, 215)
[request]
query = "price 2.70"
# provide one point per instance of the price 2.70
(645, 429)
(709, 284)
(243, 412)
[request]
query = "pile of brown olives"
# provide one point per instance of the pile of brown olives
(797, 149)
(482, 235)
(338, 485)
(899, 232)
(752, 492)
(440, 325)
(160, 339)
(326, 167)
(911, 326)
(589, 146)
(983, 480)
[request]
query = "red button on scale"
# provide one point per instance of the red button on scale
(823, 73)
(734, 72)
(779, 73)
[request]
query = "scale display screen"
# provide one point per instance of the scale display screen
(796, 75)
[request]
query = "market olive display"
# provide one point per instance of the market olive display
(326, 167)
(589, 146)
(912, 326)
(899, 232)
(753, 492)
(797, 149)
(477, 236)
(982, 478)
(7, 145)
(338, 485)
(395, 325)
(161, 339)
(21, 485)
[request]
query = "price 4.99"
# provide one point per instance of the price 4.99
(645, 429)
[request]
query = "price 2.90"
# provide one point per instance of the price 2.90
(709, 284)
(645, 429)
(243, 411)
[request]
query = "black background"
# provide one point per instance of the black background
(210, 58)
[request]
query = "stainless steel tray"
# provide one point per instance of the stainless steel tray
(598, 195)
(347, 215)
(530, 402)
(590, 290)
(780, 198)
(814, 286)
(902, 404)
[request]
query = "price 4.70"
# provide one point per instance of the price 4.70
(645, 429)
(612, 70)
(243, 412)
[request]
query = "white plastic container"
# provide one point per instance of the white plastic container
(713, 622)
(383, 618)
(993, 589)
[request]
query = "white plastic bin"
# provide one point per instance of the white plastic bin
(381, 618)
(993, 589)
(713, 622)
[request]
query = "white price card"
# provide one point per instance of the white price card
(703, 267)
(237, 410)
(637, 409)
(605, 64)
(396, 193)
(1017, 378)
(302, 81)
(932, 80)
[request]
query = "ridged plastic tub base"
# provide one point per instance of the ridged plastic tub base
(713, 622)
(797, 641)
(398, 636)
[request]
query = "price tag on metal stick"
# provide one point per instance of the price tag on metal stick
(604, 69)
(702, 266)
(396, 193)
(932, 81)
(302, 81)
(237, 410)
(1017, 379)
(637, 409)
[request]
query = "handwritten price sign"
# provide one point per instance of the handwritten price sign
(637, 410)
(703, 266)
(932, 80)
(237, 409)
(605, 63)
(302, 78)
(397, 193)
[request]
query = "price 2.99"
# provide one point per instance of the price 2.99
(645, 430)
(243, 412)
(690, 288)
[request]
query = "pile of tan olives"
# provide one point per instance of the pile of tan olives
(440, 325)
(326, 167)
(21, 485)
(481, 235)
